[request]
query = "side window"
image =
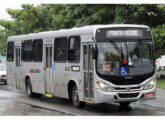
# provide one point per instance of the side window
(22, 47)
(74, 49)
(60, 49)
(37, 50)
(27, 51)
(10, 51)
(17, 53)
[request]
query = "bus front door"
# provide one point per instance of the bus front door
(17, 66)
(88, 71)
(48, 79)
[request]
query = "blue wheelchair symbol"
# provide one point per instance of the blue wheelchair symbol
(123, 71)
(54, 67)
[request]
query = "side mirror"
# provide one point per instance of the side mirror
(95, 52)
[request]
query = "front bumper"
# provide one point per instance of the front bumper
(131, 96)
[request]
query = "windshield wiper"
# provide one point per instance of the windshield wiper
(118, 49)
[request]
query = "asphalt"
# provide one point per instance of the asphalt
(159, 102)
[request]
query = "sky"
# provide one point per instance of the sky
(3, 7)
(13, 4)
(16, 4)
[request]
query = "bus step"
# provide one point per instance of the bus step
(49, 95)
(89, 101)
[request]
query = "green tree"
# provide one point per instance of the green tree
(45, 17)
(151, 15)
(159, 39)
(3, 42)
(89, 14)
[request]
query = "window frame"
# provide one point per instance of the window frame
(10, 52)
(41, 50)
(22, 49)
(17, 61)
(23, 52)
(74, 61)
(66, 50)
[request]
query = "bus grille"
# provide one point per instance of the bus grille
(126, 89)
(128, 95)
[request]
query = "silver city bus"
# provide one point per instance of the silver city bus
(91, 64)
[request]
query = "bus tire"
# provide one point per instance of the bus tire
(124, 104)
(75, 98)
(29, 88)
(5, 82)
(37, 95)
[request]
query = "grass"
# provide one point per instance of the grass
(160, 83)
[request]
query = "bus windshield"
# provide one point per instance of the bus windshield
(136, 56)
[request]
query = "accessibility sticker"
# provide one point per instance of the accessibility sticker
(54, 67)
(124, 71)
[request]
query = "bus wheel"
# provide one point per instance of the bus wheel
(124, 104)
(37, 95)
(29, 88)
(75, 98)
(5, 82)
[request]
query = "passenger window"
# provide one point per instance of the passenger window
(74, 49)
(22, 46)
(10, 51)
(37, 50)
(60, 49)
(27, 51)
(17, 52)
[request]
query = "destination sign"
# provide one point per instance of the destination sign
(118, 34)
(124, 33)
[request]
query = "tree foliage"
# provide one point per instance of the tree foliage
(150, 15)
(45, 17)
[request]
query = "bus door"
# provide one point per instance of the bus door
(48, 78)
(17, 66)
(88, 71)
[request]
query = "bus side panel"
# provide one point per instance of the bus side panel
(77, 77)
(60, 75)
(35, 72)
(10, 74)
(63, 73)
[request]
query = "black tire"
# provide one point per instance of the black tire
(124, 104)
(29, 88)
(5, 83)
(75, 98)
(37, 95)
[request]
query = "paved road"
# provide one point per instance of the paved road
(15, 102)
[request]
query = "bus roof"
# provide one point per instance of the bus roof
(85, 30)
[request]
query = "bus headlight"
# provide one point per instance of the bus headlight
(104, 87)
(150, 84)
